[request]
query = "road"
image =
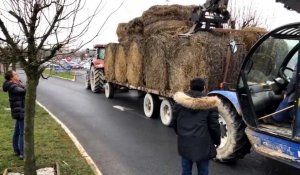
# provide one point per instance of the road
(126, 142)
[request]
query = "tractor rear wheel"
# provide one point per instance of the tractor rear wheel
(234, 142)
(96, 79)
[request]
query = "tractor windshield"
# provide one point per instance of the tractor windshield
(268, 58)
(266, 76)
(101, 53)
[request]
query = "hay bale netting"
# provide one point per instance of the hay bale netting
(158, 51)
(109, 66)
(135, 62)
(201, 55)
(172, 27)
(165, 13)
(120, 64)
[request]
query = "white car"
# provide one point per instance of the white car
(87, 65)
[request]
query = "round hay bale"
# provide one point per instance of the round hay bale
(187, 64)
(122, 31)
(120, 65)
(165, 13)
(109, 66)
(172, 27)
(251, 35)
(135, 63)
(158, 51)
(201, 55)
(135, 27)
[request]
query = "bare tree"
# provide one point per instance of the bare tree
(44, 26)
(244, 14)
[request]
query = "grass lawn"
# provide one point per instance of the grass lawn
(52, 144)
(64, 74)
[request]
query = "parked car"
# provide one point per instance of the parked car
(86, 65)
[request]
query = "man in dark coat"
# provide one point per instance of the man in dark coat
(197, 127)
(16, 92)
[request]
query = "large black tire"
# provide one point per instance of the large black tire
(87, 81)
(109, 90)
(151, 105)
(235, 144)
(97, 79)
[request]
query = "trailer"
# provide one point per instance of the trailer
(155, 102)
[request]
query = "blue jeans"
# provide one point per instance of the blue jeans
(18, 142)
(281, 116)
(187, 166)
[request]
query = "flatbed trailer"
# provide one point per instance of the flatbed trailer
(155, 102)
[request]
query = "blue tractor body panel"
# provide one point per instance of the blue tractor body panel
(230, 96)
(281, 149)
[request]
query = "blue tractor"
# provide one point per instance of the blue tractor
(266, 71)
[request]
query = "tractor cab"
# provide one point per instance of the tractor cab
(266, 72)
(98, 61)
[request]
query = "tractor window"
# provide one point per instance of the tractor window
(268, 58)
(101, 53)
(291, 64)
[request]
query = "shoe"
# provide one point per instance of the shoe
(21, 157)
(17, 153)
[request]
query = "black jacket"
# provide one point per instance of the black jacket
(197, 126)
(16, 93)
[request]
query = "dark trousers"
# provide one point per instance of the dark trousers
(281, 116)
(187, 166)
(18, 140)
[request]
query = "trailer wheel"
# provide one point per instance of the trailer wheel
(87, 81)
(151, 105)
(234, 142)
(166, 114)
(96, 79)
(109, 90)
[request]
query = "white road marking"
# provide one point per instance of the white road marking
(121, 108)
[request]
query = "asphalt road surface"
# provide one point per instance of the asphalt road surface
(126, 142)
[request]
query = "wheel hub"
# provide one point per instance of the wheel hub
(224, 131)
(148, 105)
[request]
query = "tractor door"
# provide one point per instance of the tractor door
(265, 74)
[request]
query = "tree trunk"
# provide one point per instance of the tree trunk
(6, 67)
(32, 82)
(13, 65)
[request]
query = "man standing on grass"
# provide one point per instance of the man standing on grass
(197, 127)
(16, 92)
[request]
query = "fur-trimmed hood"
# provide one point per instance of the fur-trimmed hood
(206, 102)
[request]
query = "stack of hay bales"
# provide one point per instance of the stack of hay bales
(151, 54)
(172, 20)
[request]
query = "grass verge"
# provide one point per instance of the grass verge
(63, 74)
(52, 144)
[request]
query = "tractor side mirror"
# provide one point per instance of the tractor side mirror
(233, 46)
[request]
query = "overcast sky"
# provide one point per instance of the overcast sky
(275, 12)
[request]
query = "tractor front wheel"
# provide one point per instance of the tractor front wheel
(234, 142)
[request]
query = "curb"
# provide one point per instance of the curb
(82, 151)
